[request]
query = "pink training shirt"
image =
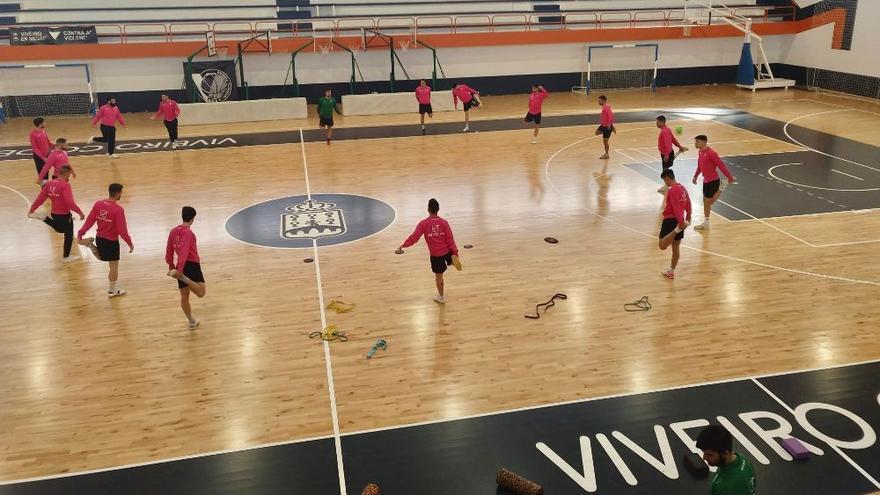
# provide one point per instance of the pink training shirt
(462, 93)
(536, 101)
(708, 164)
(438, 236)
(40, 143)
(110, 218)
(423, 95)
(665, 141)
(168, 110)
(59, 192)
(606, 118)
(108, 116)
(56, 159)
(678, 202)
(181, 241)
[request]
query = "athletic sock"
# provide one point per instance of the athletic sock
(111, 287)
(191, 319)
(185, 279)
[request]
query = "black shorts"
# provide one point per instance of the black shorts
(327, 121)
(606, 131)
(193, 271)
(669, 224)
(533, 117)
(439, 263)
(470, 104)
(425, 108)
(107, 250)
(39, 163)
(710, 188)
(668, 160)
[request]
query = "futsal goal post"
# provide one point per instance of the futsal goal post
(620, 67)
(50, 89)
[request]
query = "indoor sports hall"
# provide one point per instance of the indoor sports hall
(222, 271)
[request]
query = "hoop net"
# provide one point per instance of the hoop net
(325, 48)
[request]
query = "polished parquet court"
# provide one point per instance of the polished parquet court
(90, 383)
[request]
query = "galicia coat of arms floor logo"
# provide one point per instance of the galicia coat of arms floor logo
(296, 221)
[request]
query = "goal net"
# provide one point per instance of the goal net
(40, 90)
(619, 67)
(819, 79)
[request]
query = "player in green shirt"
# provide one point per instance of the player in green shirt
(735, 475)
(326, 107)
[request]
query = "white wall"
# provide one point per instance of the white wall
(263, 70)
(813, 48)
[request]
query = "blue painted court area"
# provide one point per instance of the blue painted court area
(296, 221)
(624, 445)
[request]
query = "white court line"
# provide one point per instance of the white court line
(865, 210)
(833, 447)
(846, 174)
(808, 186)
(22, 196)
(604, 397)
(691, 248)
(788, 135)
(332, 389)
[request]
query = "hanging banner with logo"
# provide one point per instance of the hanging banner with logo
(212, 81)
(67, 35)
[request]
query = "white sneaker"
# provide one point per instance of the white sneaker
(663, 189)
(116, 293)
(669, 274)
(702, 226)
(194, 324)
(37, 216)
(70, 259)
(439, 299)
(534, 141)
(114, 155)
(465, 129)
(174, 145)
(90, 140)
(173, 274)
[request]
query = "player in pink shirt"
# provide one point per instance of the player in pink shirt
(708, 164)
(536, 101)
(187, 270)
(41, 145)
(676, 218)
(59, 192)
(606, 125)
(423, 96)
(108, 115)
(441, 245)
(169, 110)
(110, 218)
(469, 97)
(57, 158)
(664, 144)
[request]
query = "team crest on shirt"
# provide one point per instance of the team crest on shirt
(312, 219)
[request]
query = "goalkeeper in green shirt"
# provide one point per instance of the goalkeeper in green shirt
(326, 107)
(735, 475)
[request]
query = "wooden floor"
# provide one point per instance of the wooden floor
(88, 382)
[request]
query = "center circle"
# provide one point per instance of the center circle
(295, 221)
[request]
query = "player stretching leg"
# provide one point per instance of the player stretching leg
(676, 218)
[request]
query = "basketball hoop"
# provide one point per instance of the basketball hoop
(404, 45)
(686, 30)
(325, 48)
